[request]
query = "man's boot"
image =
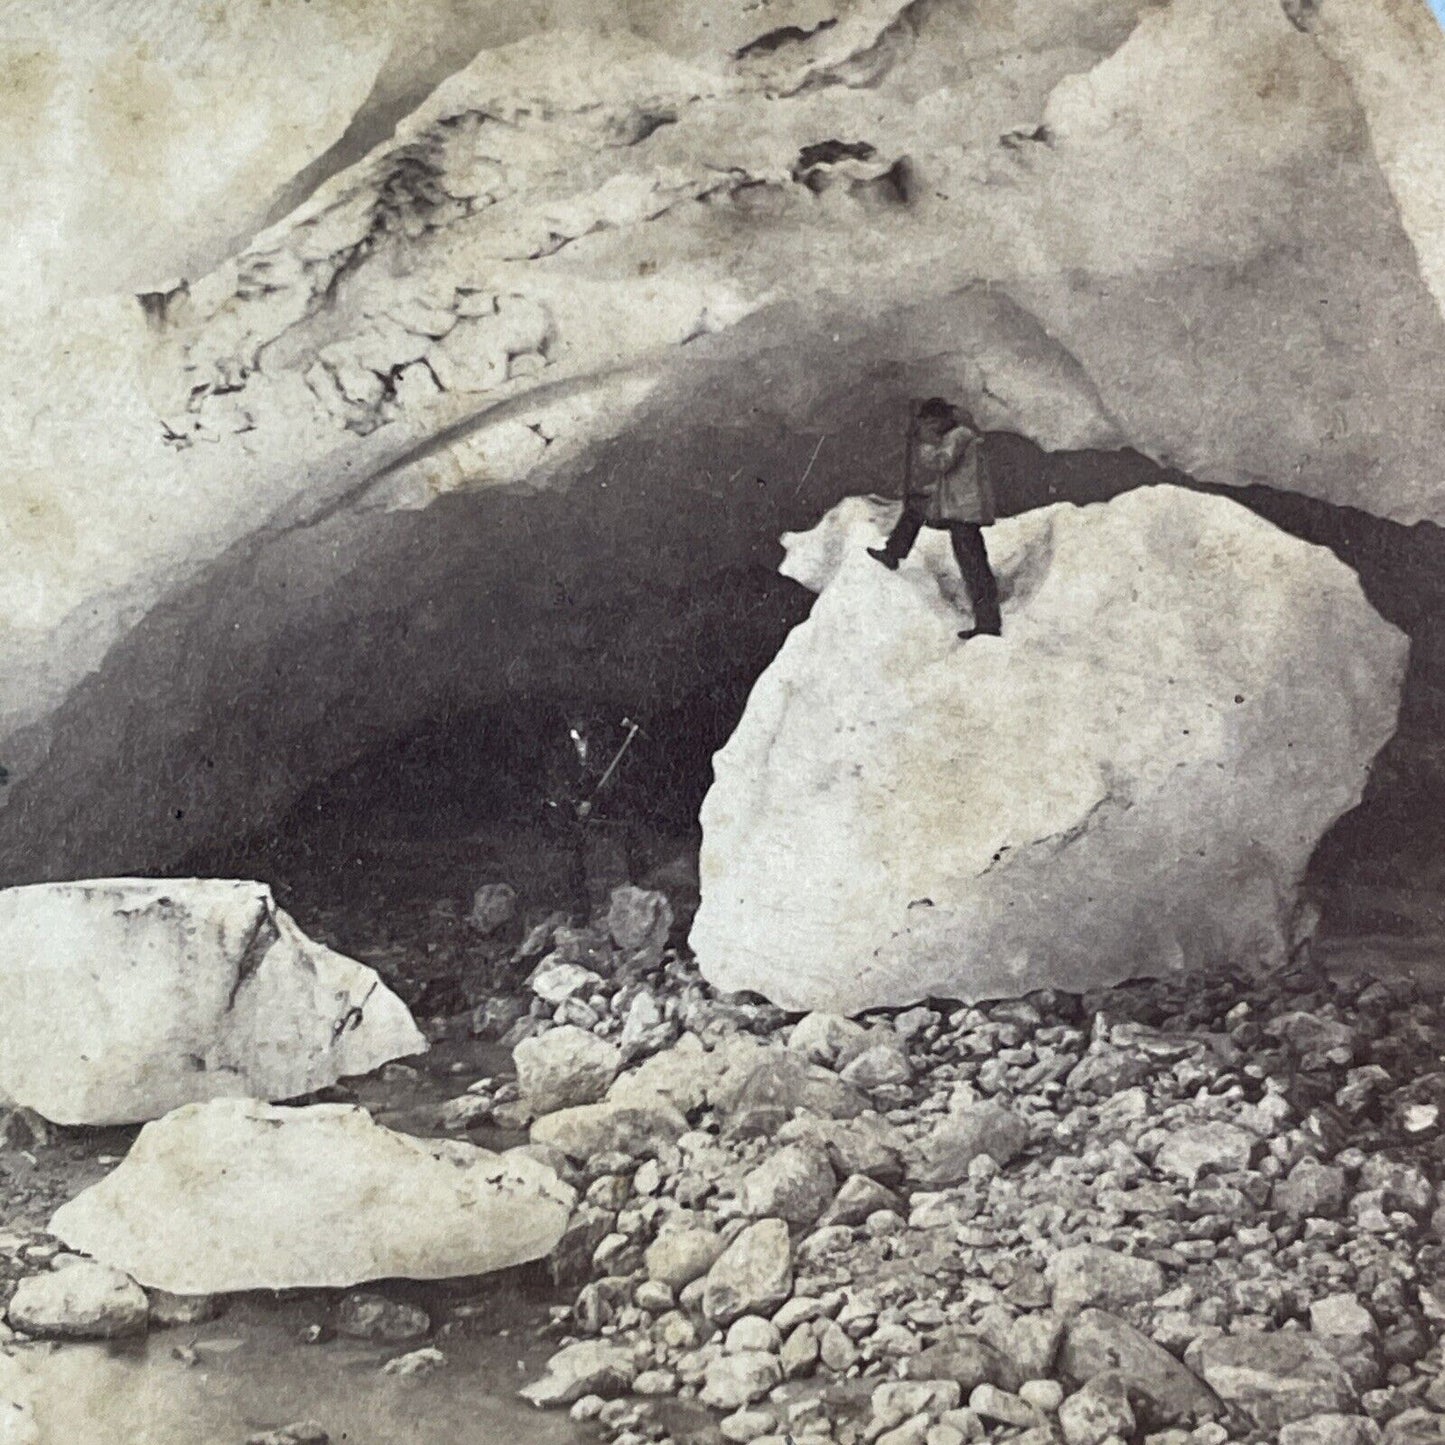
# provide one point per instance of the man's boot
(883, 555)
(969, 632)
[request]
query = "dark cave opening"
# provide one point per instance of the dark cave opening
(427, 813)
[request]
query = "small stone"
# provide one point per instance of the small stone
(654, 1383)
(910, 1432)
(1275, 1377)
(799, 1353)
(752, 1334)
(680, 1255)
(1086, 1275)
(969, 1361)
(988, 1402)
(84, 1301)
(654, 1296)
(796, 1184)
(634, 1129)
(1311, 1190)
(798, 1310)
(965, 1422)
(366, 1316)
(168, 1309)
(676, 1331)
(733, 1381)
(746, 1425)
(1096, 1341)
(555, 983)
(590, 1367)
(494, 905)
(989, 1129)
(754, 1275)
(301, 1432)
(1419, 1118)
(859, 1198)
(1097, 1413)
(822, 1037)
(1404, 1187)
(835, 1350)
(941, 1434)
(466, 1111)
(1331, 1430)
(878, 1067)
(759, 1099)
(1341, 1314)
(416, 1363)
(639, 920)
(1198, 1148)
(898, 1400)
(1045, 1395)
(565, 1067)
(893, 1341)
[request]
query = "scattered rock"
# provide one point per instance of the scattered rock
(564, 1067)
(168, 1309)
(897, 1401)
(494, 906)
(1274, 1378)
(83, 1301)
(953, 1145)
(366, 1316)
(822, 1037)
(301, 1432)
(1086, 1275)
(1200, 1148)
(680, 1255)
(1096, 1341)
(587, 1368)
(1342, 1315)
(762, 1096)
(556, 982)
(753, 1275)
(632, 1129)
(237, 1195)
(968, 1361)
(639, 921)
(1098, 1413)
(859, 1198)
(210, 991)
(740, 1379)
(988, 1402)
(1311, 1190)
(415, 1364)
(796, 1183)
(878, 1067)
(1331, 1430)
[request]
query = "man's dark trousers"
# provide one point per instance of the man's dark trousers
(972, 558)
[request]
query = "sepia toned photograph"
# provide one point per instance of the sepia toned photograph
(722, 722)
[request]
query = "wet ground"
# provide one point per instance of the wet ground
(270, 1360)
(252, 1370)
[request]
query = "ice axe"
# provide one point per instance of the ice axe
(633, 728)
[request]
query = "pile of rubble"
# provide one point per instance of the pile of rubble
(1181, 1214)
(1201, 1212)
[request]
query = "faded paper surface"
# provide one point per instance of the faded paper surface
(375, 365)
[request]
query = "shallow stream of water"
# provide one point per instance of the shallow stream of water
(251, 1370)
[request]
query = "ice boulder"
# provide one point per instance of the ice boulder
(238, 1194)
(125, 998)
(1129, 782)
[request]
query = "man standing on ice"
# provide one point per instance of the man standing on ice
(946, 485)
